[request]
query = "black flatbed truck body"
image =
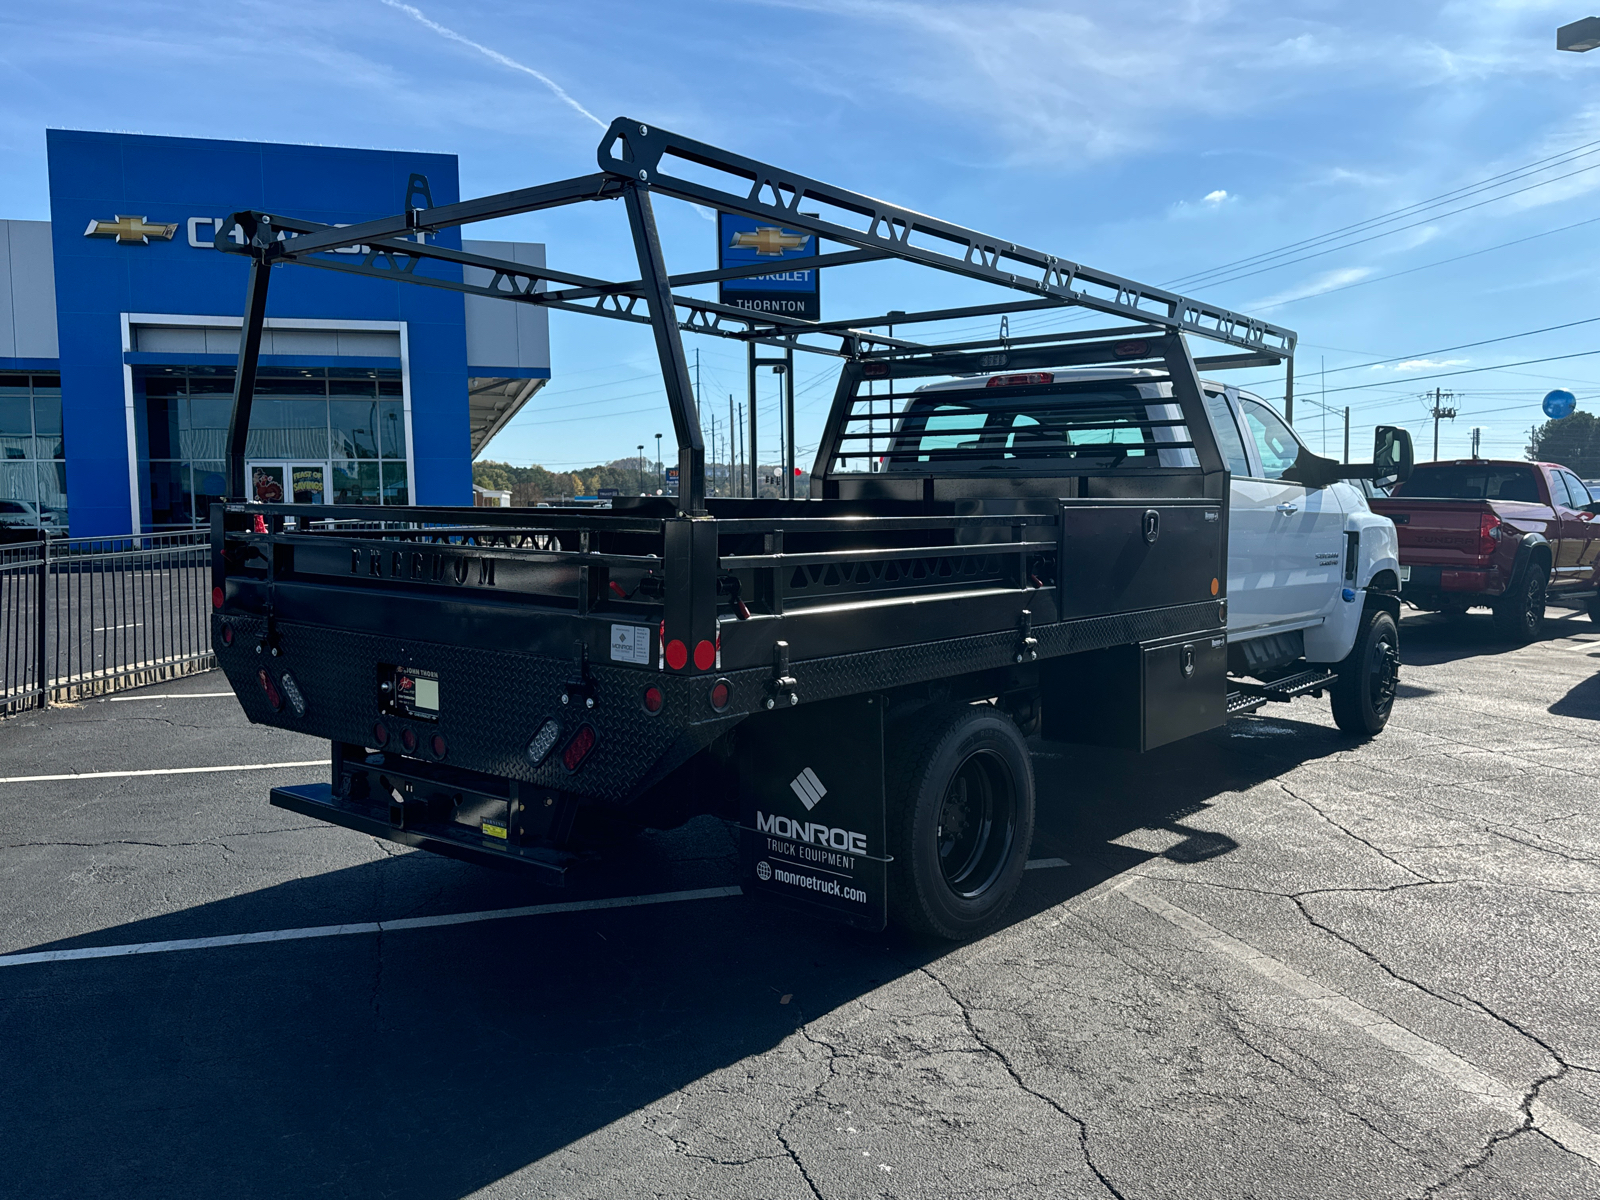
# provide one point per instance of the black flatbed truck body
(493, 679)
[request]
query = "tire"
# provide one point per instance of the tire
(1594, 610)
(1363, 695)
(960, 821)
(1519, 614)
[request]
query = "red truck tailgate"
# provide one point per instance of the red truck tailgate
(1444, 533)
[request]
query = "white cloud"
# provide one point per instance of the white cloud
(1326, 282)
(1429, 364)
(1216, 197)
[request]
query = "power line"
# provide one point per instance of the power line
(1575, 152)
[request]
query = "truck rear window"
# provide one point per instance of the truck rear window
(989, 428)
(1467, 481)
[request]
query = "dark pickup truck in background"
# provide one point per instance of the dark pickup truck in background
(1510, 536)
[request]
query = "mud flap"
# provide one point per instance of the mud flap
(811, 810)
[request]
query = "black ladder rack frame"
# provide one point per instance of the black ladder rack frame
(636, 160)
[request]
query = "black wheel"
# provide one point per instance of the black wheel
(1363, 695)
(1594, 610)
(1519, 614)
(960, 821)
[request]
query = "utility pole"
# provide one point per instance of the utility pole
(1438, 413)
(661, 483)
(1477, 431)
(733, 434)
(641, 468)
(744, 452)
(1347, 434)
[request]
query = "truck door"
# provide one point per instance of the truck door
(1580, 536)
(1290, 537)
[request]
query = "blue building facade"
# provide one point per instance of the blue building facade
(370, 392)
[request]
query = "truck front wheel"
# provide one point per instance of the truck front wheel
(1363, 695)
(960, 821)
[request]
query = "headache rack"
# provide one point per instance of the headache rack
(867, 434)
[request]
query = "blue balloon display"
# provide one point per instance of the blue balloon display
(1559, 403)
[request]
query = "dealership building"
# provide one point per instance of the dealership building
(119, 332)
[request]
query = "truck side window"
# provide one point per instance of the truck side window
(1228, 439)
(1274, 442)
(1577, 490)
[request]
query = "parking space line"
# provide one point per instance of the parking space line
(326, 931)
(170, 696)
(1431, 1056)
(315, 762)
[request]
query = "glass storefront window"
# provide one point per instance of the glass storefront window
(350, 420)
(31, 447)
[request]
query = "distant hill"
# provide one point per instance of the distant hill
(531, 485)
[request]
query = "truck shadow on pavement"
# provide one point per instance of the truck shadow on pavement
(433, 1062)
(1432, 639)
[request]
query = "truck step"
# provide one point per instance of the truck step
(1290, 686)
(1239, 703)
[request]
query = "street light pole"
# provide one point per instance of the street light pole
(641, 468)
(661, 484)
(1579, 36)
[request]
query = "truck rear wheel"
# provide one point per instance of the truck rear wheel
(1519, 614)
(960, 821)
(1363, 695)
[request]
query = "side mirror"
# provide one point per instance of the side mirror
(1392, 453)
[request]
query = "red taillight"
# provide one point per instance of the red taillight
(216, 597)
(721, 693)
(875, 370)
(705, 656)
(408, 739)
(1488, 533)
(1132, 349)
(653, 699)
(1029, 379)
(227, 635)
(380, 734)
(436, 744)
(578, 748)
(677, 655)
(271, 689)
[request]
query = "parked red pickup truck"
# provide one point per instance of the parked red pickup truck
(1505, 534)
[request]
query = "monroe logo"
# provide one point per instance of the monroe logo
(808, 787)
(423, 567)
(812, 832)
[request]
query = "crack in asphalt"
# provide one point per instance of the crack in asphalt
(1004, 1060)
(220, 841)
(1350, 833)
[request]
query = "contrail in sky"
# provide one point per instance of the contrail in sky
(445, 31)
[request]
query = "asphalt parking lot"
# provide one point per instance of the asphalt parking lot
(1276, 964)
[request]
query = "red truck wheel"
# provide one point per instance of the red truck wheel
(1363, 695)
(1519, 614)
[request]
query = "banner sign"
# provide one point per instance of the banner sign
(743, 242)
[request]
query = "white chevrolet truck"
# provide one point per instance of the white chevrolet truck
(1313, 573)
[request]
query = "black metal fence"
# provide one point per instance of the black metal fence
(84, 616)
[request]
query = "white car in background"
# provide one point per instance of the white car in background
(26, 514)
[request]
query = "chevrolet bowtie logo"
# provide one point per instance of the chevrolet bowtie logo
(768, 241)
(130, 230)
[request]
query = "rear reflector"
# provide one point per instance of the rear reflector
(544, 741)
(1030, 379)
(291, 689)
(380, 734)
(227, 635)
(216, 597)
(653, 699)
(677, 655)
(408, 739)
(578, 748)
(721, 693)
(436, 744)
(705, 656)
(271, 689)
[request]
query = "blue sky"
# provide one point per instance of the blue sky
(1156, 140)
